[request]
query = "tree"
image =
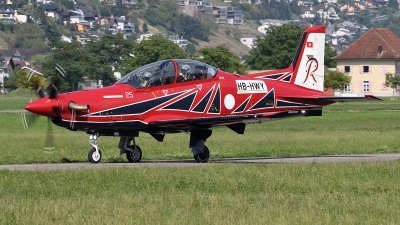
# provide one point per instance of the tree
(223, 59)
(29, 81)
(153, 49)
(52, 29)
(28, 35)
(392, 81)
(119, 9)
(190, 49)
(336, 79)
(11, 82)
(77, 64)
(145, 28)
(393, 4)
(276, 49)
(104, 11)
(41, 14)
(295, 7)
(68, 4)
(329, 53)
(110, 51)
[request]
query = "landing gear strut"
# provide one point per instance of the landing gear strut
(94, 155)
(200, 151)
(133, 152)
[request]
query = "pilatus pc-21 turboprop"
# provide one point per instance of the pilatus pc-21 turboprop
(181, 95)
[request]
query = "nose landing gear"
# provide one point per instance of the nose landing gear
(94, 155)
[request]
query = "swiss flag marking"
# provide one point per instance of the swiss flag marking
(309, 44)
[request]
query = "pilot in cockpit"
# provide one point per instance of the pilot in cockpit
(146, 80)
(184, 73)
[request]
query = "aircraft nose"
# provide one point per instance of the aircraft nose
(43, 106)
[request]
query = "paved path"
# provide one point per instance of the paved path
(13, 111)
(192, 163)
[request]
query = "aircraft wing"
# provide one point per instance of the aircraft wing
(236, 123)
(335, 98)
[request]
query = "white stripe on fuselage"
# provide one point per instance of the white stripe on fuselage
(113, 96)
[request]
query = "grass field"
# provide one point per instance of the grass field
(351, 193)
(364, 193)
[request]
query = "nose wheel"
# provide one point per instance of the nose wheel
(94, 156)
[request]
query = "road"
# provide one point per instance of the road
(191, 163)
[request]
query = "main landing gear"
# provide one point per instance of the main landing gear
(200, 152)
(134, 154)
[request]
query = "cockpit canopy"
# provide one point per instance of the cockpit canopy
(168, 72)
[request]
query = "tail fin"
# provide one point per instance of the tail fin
(308, 63)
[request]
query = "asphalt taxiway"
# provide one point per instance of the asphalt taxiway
(191, 163)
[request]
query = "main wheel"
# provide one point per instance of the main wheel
(203, 157)
(93, 156)
(134, 156)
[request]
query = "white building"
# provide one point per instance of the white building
(249, 42)
(267, 23)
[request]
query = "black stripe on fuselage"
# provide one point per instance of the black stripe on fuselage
(215, 107)
(201, 106)
(268, 101)
(242, 107)
(183, 104)
(273, 76)
(287, 79)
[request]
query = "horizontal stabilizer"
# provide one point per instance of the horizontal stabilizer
(350, 98)
(335, 98)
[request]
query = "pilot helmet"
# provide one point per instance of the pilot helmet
(147, 75)
(185, 67)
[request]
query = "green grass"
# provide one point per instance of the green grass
(362, 193)
(362, 106)
(16, 100)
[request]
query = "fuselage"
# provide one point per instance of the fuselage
(216, 101)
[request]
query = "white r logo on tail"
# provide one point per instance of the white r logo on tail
(312, 65)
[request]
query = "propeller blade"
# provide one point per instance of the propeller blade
(55, 83)
(40, 92)
(28, 119)
(49, 147)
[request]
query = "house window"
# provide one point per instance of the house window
(366, 86)
(365, 69)
(347, 69)
(347, 88)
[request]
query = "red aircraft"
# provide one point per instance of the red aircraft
(182, 95)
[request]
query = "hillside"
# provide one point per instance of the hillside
(3, 37)
(219, 37)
